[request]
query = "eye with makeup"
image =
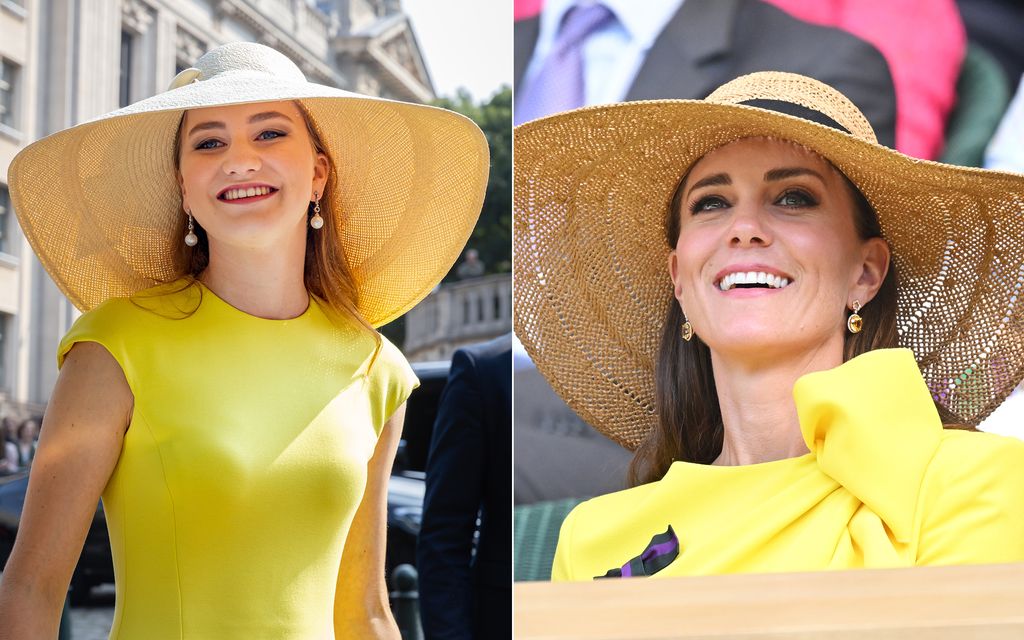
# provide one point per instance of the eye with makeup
(796, 199)
(210, 142)
(708, 203)
(276, 134)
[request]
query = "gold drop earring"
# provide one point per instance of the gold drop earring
(316, 221)
(687, 330)
(855, 323)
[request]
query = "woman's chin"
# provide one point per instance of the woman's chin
(755, 342)
(255, 233)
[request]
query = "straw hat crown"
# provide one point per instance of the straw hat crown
(773, 86)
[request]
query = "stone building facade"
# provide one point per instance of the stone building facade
(457, 314)
(67, 61)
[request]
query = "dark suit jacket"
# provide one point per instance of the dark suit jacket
(709, 42)
(469, 470)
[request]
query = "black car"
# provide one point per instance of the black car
(405, 494)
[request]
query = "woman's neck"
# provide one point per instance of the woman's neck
(758, 410)
(266, 282)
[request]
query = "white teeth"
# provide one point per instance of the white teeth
(752, 277)
(235, 194)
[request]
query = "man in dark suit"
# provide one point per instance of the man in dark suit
(706, 43)
(465, 594)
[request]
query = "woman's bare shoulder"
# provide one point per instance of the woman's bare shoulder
(90, 368)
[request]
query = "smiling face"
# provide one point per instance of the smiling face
(248, 172)
(768, 256)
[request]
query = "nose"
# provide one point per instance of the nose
(749, 227)
(241, 158)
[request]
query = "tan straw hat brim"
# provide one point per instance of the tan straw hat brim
(591, 284)
(101, 206)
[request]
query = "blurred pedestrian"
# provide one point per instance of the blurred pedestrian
(28, 434)
(471, 266)
(466, 589)
(9, 442)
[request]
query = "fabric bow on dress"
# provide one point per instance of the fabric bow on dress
(660, 552)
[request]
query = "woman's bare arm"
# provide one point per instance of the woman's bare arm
(361, 603)
(79, 445)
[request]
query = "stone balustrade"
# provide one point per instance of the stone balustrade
(457, 314)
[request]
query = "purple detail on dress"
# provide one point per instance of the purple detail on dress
(661, 549)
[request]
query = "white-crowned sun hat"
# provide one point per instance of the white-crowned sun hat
(101, 206)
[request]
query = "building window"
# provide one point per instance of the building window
(8, 242)
(126, 68)
(8, 93)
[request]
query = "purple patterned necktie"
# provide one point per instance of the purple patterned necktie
(558, 86)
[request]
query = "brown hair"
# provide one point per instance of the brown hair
(327, 274)
(689, 418)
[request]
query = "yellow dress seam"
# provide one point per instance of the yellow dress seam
(174, 525)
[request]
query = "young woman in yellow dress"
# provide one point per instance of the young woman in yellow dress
(792, 326)
(233, 242)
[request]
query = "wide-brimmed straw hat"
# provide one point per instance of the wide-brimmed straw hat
(101, 206)
(592, 187)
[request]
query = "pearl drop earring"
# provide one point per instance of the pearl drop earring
(316, 221)
(191, 239)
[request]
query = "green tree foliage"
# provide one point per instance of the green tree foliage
(492, 237)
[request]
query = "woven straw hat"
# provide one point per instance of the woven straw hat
(591, 284)
(101, 206)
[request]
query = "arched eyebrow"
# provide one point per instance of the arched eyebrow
(715, 180)
(256, 117)
(791, 172)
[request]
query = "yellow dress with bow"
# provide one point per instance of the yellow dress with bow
(884, 485)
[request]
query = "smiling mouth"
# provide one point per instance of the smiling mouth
(250, 193)
(752, 280)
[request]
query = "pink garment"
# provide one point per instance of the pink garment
(923, 41)
(522, 9)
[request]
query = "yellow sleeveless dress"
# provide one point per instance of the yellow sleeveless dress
(243, 464)
(884, 485)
